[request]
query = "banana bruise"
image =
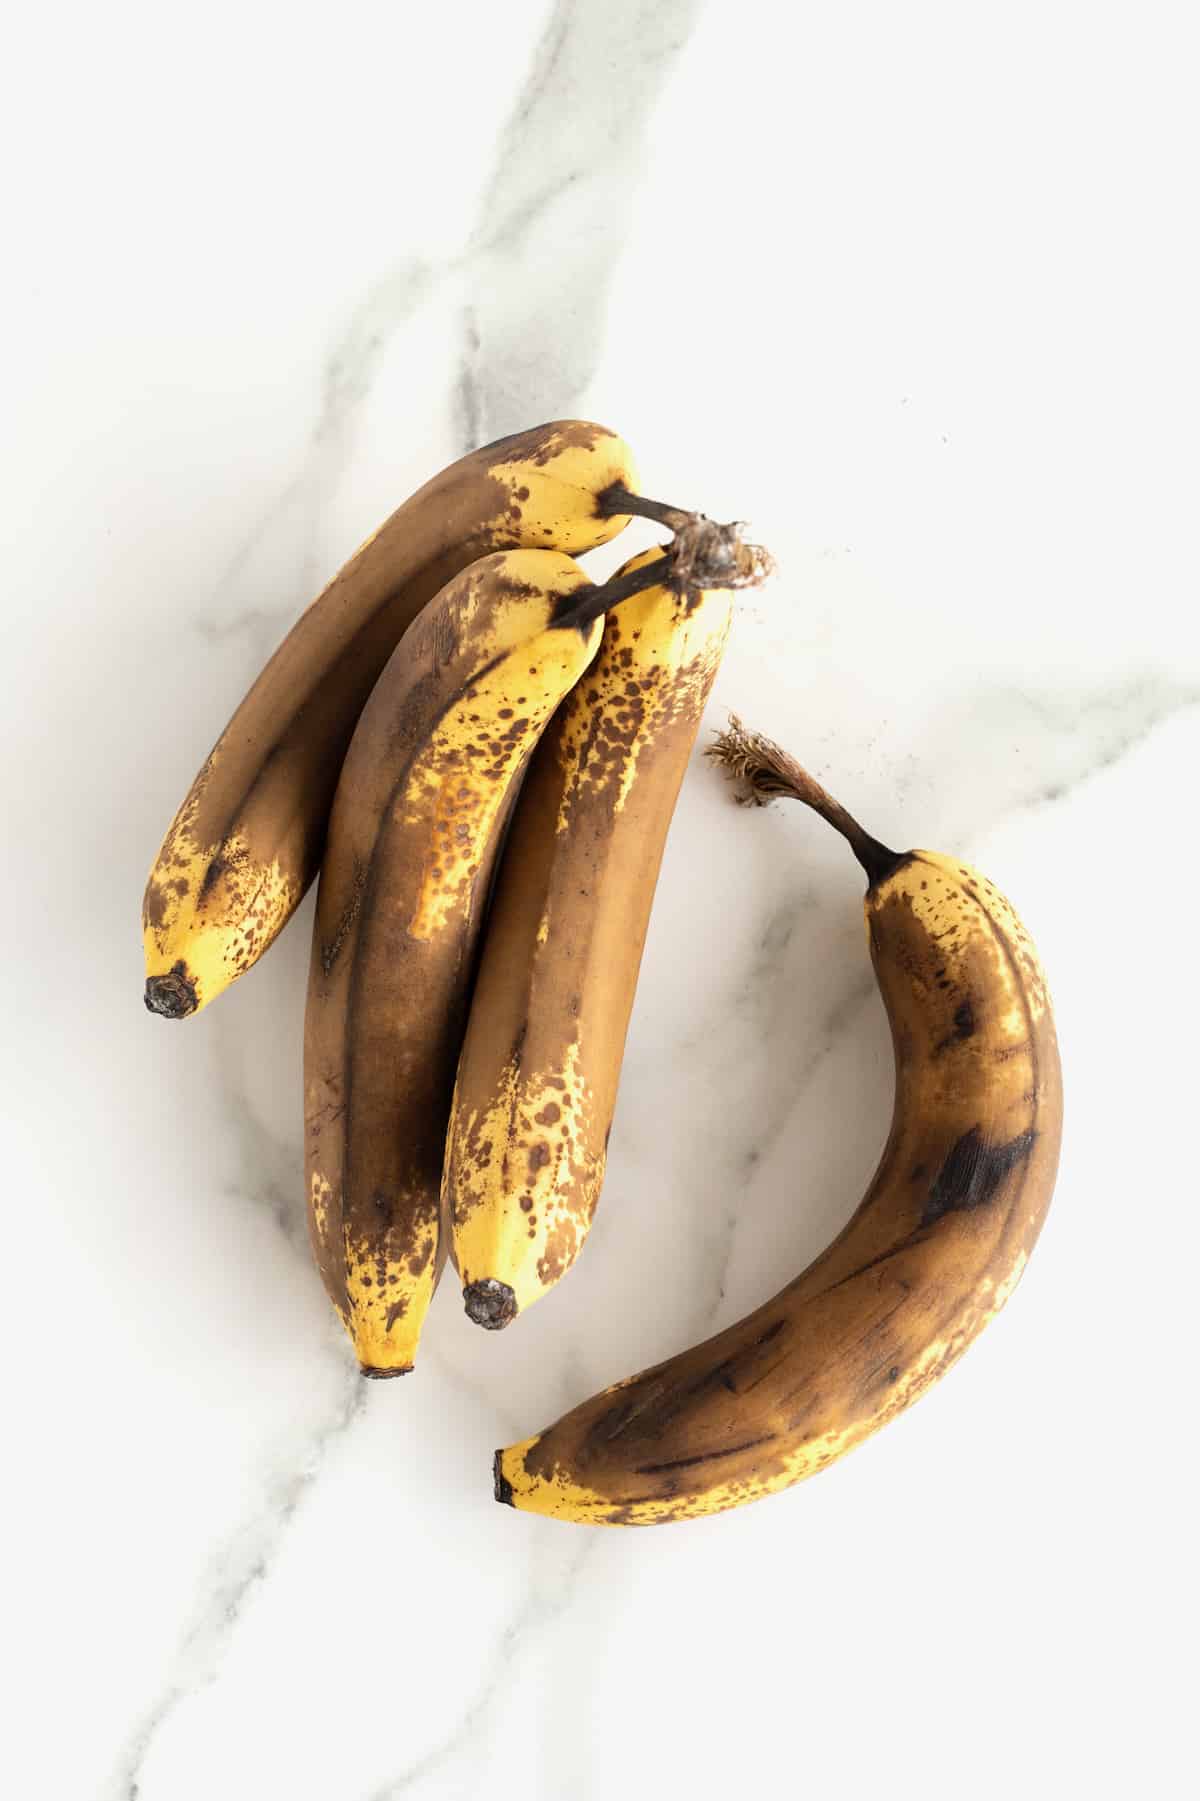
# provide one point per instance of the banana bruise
(541, 1061)
(933, 1252)
(412, 840)
(248, 839)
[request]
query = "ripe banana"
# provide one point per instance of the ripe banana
(247, 840)
(932, 1254)
(537, 1081)
(412, 839)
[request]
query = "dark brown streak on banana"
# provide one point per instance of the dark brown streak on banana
(871, 1263)
(685, 1463)
(653, 1413)
(350, 912)
(212, 875)
(623, 1415)
(963, 1026)
(974, 1173)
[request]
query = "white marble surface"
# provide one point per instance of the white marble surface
(914, 290)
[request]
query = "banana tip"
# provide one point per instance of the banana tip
(500, 1482)
(380, 1375)
(172, 996)
(489, 1303)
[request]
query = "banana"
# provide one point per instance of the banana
(537, 1081)
(413, 835)
(247, 840)
(933, 1252)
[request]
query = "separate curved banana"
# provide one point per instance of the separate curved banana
(412, 840)
(537, 1082)
(247, 840)
(932, 1254)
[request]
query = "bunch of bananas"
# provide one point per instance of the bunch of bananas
(479, 750)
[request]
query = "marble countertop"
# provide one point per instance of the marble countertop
(913, 291)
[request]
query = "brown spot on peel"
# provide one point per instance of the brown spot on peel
(154, 904)
(964, 1023)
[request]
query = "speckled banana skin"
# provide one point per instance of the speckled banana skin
(537, 1083)
(412, 839)
(247, 840)
(931, 1255)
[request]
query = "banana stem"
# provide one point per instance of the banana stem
(766, 772)
(701, 555)
(617, 500)
(707, 555)
(611, 593)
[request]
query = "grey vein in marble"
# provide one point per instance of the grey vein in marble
(754, 1003)
(838, 1019)
(270, 1176)
(1128, 715)
(540, 270)
(555, 1575)
(437, 1358)
(236, 1571)
(347, 378)
(470, 412)
(271, 1168)
(535, 273)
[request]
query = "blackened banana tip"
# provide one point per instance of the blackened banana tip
(502, 1487)
(378, 1375)
(171, 996)
(490, 1304)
